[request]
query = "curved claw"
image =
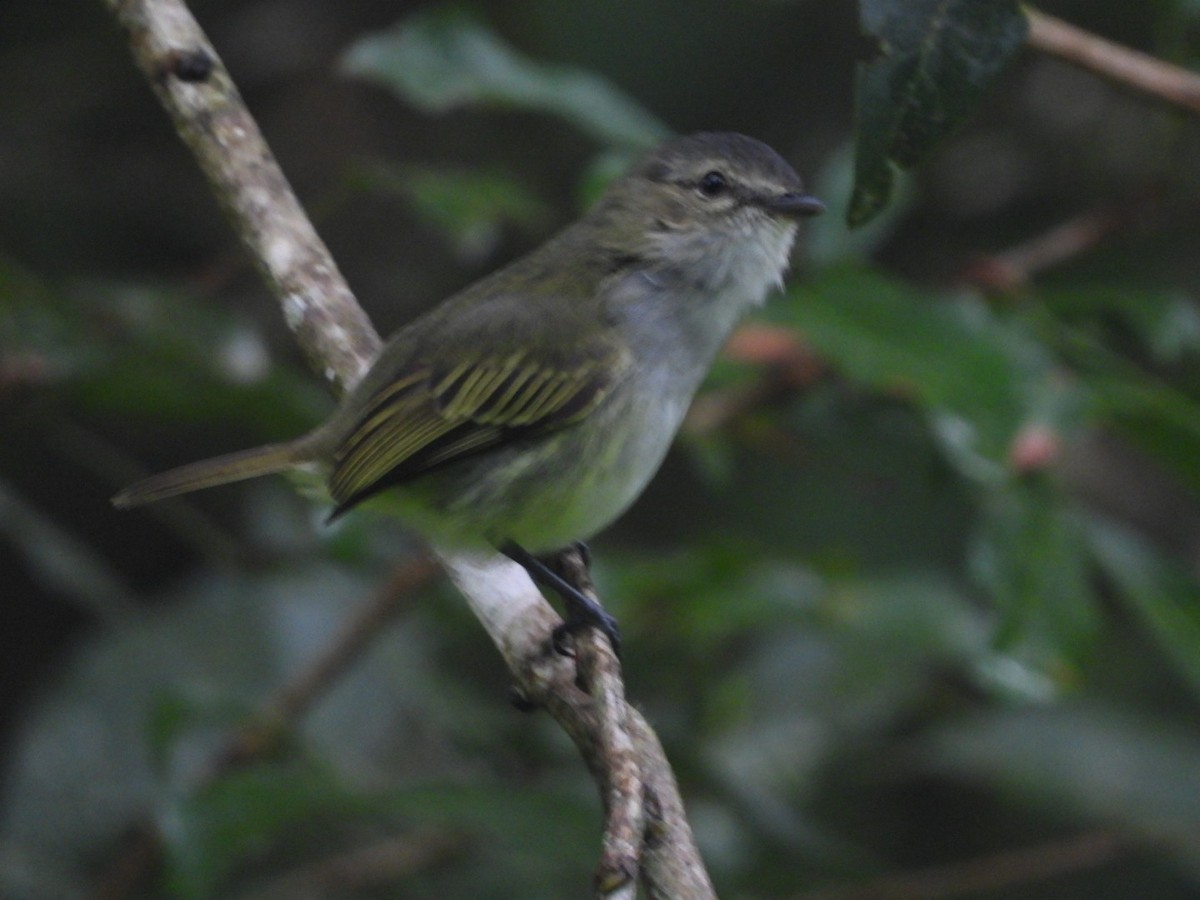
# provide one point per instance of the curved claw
(591, 616)
(582, 610)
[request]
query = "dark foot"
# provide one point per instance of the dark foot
(581, 611)
(595, 618)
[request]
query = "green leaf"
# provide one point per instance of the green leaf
(175, 384)
(692, 588)
(1156, 417)
(212, 833)
(1164, 597)
(272, 812)
(146, 352)
(1031, 555)
(917, 616)
(829, 476)
(1083, 762)
(1156, 411)
(979, 379)
(469, 208)
(178, 721)
(936, 58)
(442, 59)
(605, 168)
(83, 768)
(1163, 324)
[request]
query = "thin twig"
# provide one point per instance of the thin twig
(1123, 65)
(988, 873)
(298, 694)
(1013, 268)
(378, 864)
(141, 854)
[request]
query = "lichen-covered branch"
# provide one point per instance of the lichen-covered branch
(646, 833)
(186, 73)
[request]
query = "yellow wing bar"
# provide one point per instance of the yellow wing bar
(425, 419)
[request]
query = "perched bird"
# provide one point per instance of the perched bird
(530, 409)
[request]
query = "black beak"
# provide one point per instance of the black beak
(794, 204)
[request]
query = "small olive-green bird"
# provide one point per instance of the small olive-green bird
(529, 410)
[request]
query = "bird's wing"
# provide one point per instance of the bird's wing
(427, 416)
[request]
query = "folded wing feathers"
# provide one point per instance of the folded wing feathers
(426, 419)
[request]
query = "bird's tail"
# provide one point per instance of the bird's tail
(265, 460)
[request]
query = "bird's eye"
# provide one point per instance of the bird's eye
(712, 184)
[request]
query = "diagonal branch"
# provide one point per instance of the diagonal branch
(141, 851)
(209, 115)
(646, 835)
(1123, 65)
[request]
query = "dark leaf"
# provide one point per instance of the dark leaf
(935, 59)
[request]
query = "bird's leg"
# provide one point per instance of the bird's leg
(582, 611)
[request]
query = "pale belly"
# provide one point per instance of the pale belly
(566, 485)
(561, 487)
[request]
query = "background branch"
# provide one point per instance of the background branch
(617, 744)
(142, 850)
(990, 873)
(1162, 80)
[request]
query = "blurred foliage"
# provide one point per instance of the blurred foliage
(470, 209)
(443, 59)
(926, 593)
